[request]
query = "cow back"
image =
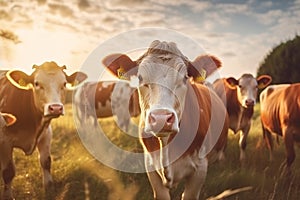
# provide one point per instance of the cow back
(281, 109)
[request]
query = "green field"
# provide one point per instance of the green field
(77, 175)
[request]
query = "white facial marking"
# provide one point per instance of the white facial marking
(162, 87)
(247, 91)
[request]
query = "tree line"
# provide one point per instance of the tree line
(282, 63)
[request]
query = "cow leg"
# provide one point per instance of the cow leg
(45, 158)
(269, 141)
(194, 183)
(290, 151)
(243, 142)
(160, 191)
(7, 170)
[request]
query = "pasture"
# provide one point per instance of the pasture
(77, 175)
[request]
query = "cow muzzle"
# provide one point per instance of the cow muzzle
(249, 103)
(162, 122)
(54, 110)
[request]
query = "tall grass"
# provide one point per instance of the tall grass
(79, 176)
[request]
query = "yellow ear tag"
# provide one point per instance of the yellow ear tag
(121, 73)
(76, 82)
(201, 77)
(22, 82)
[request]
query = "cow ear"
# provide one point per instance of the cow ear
(120, 65)
(9, 119)
(263, 81)
(76, 78)
(20, 79)
(231, 82)
(203, 66)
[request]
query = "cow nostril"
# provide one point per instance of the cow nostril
(152, 119)
(51, 108)
(55, 108)
(171, 118)
(249, 102)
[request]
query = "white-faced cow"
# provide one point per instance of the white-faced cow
(177, 115)
(239, 96)
(34, 100)
(105, 99)
(280, 113)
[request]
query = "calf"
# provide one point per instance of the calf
(180, 121)
(105, 99)
(280, 112)
(34, 100)
(239, 96)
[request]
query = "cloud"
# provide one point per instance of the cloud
(130, 5)
(230, 8)
(195, 6)
(269, 17)
(218, 27)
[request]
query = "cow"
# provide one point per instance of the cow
(263, 95)
(34, 100)
(177, 114)
(105, 99)
(239, 97)
(280, 113)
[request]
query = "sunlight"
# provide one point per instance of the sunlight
(40, 45)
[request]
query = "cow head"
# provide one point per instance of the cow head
(6, 120)
(48, 83)
(247, 87)
(163, 73)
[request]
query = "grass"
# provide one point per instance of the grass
(79, 176)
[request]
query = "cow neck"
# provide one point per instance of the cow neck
(30, 120)
(247, 112)
(165, 165)
(181, 144)
(28, 117)
(190, 136)
(44, 124)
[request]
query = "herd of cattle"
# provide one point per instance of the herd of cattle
(181, 118)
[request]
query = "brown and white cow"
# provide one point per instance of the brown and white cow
(34, 100)
(239, 96)
(105, 99)
(280, 113)
(262, 99)
(180, 120)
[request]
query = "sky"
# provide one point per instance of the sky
(239, 33)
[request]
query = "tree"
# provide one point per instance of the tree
(283, 62)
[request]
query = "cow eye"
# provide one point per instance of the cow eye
(185, 78)
(140, 78)
(37, 85)
(64, 86)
